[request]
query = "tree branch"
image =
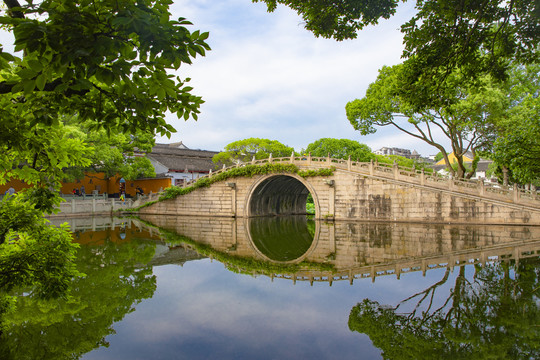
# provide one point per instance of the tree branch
(12, 4)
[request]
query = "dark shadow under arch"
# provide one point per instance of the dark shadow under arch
(279, 195)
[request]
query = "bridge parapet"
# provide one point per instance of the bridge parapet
(410, 176)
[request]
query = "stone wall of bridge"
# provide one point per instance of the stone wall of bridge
(359, 197)
(345, 196)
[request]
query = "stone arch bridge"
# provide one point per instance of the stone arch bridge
(357, 191)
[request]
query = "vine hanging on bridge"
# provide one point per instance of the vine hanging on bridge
(243, 171)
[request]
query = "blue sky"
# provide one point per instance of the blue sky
(268, 77)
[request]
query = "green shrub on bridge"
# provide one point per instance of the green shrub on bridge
(243, 171)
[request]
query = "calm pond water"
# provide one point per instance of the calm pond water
(289, 288)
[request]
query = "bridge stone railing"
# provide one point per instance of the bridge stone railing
(407, 175)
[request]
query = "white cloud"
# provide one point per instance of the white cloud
(268, 77)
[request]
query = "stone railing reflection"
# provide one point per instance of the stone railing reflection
(366, 250)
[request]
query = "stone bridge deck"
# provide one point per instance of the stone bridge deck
(359, 191)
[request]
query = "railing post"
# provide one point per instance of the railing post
(93, 205)
(451, 183)
(292, 157)
(422, 177)
(270, 158)
(371, 168)
(328, 159)
(349, 163)
(516, 193)
(481, 188)
(309, 159)
(396, 170)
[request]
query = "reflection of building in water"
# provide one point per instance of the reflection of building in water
(367, 250)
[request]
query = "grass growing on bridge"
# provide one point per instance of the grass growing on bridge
(243, 171)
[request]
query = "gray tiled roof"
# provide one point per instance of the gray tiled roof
(179, 159)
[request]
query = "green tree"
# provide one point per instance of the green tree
(517, 146)
(337, 19)
(108, 62)
(439, 156)
(478, 37)
(245, 150)
(114, 154)
(493, 316)
(464, 119)
(340, 149)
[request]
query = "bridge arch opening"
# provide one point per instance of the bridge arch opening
(279, 195)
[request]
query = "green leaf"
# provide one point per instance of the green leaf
(29, 86)
(26, 73)
(40, 81)
(35, 65)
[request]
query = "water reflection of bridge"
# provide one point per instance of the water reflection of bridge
(362, 250)
(459, 258)
(94, 223)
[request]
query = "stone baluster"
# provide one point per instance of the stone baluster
(396, 170)
(371, 168)
(349, 163)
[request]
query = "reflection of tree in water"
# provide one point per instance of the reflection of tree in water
(115, 282)
(494, 315)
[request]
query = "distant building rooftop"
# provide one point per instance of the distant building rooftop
(177, 157)
(397, 151)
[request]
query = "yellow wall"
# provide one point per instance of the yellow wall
(112, 185)
(97, 181)
(147, 185)
(453, 159)
(91, 181)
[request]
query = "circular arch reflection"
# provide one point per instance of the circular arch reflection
(281, 239)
